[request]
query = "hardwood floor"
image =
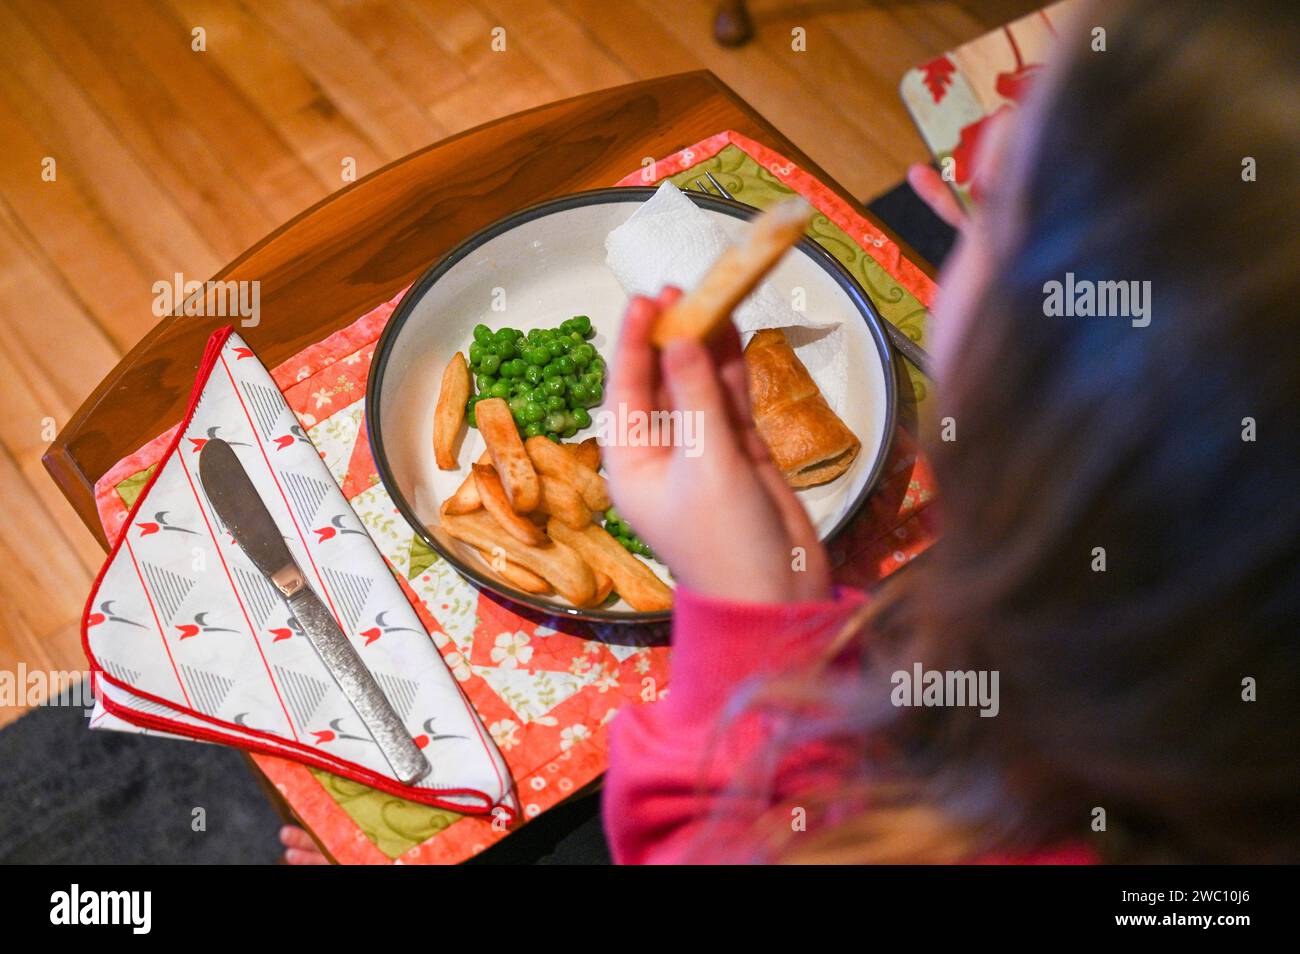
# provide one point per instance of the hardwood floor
(170, 159)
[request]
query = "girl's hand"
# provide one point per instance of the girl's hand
(934, 192)
(712, 505)
(299, 849)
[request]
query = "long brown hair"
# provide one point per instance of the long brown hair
(1165, 453)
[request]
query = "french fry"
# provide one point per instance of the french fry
(562, 501)
(633, 580)
(586, 453)
(604, 586)
(514, 574)
(552, 459)
(493, 497)
(738, 270)
(512, 463)
(466, 496)
(449, 414)
(556, 563)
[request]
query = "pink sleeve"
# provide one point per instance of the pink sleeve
(668, 761)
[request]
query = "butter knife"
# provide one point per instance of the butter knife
(241, 509)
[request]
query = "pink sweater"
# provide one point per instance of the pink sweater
(661, 793)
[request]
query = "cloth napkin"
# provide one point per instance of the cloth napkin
(186, 638)
(669, 240)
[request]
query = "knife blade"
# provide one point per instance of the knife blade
(240, 507)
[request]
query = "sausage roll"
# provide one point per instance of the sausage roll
(808, 441)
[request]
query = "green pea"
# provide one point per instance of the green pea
(491, 364)
(471, 418)
(581, 417)
(537, 355)
(534, 429)
(485, 381)
(553, 386)
(554, 422)
(533, 374)
(482, 334)
(507, 350)
(579, 394)
(555, 403)
(580, 358)
(538, 394)
(611, 514)
(469, 405)
(517, 403)
(597, 365)
(501, 389)
(554, 347)
(569, 431)
(564, 364)
(475, 353)
(581, 323)
(597, 393)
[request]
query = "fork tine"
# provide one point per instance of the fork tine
(718, 185)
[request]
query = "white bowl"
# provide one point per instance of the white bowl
(542, 265)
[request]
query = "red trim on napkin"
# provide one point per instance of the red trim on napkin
(274, 745)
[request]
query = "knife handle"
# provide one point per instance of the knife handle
(405, 757)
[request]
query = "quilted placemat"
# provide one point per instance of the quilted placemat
(547, 688)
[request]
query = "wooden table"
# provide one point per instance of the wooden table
(357, 248)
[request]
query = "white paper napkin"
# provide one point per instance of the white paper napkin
(669, 240)
(186, 637)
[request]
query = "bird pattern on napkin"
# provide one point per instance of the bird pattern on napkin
(188, 638)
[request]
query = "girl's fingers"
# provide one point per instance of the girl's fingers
(300, 849)
(735, 378)
(730, 359)
(296, 856)
(294, 837)
(934, 192)
(668, 295)
(693, 386)
(635, 372)
(634, 383)
(815, 577)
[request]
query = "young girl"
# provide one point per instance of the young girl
(1120, 519)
